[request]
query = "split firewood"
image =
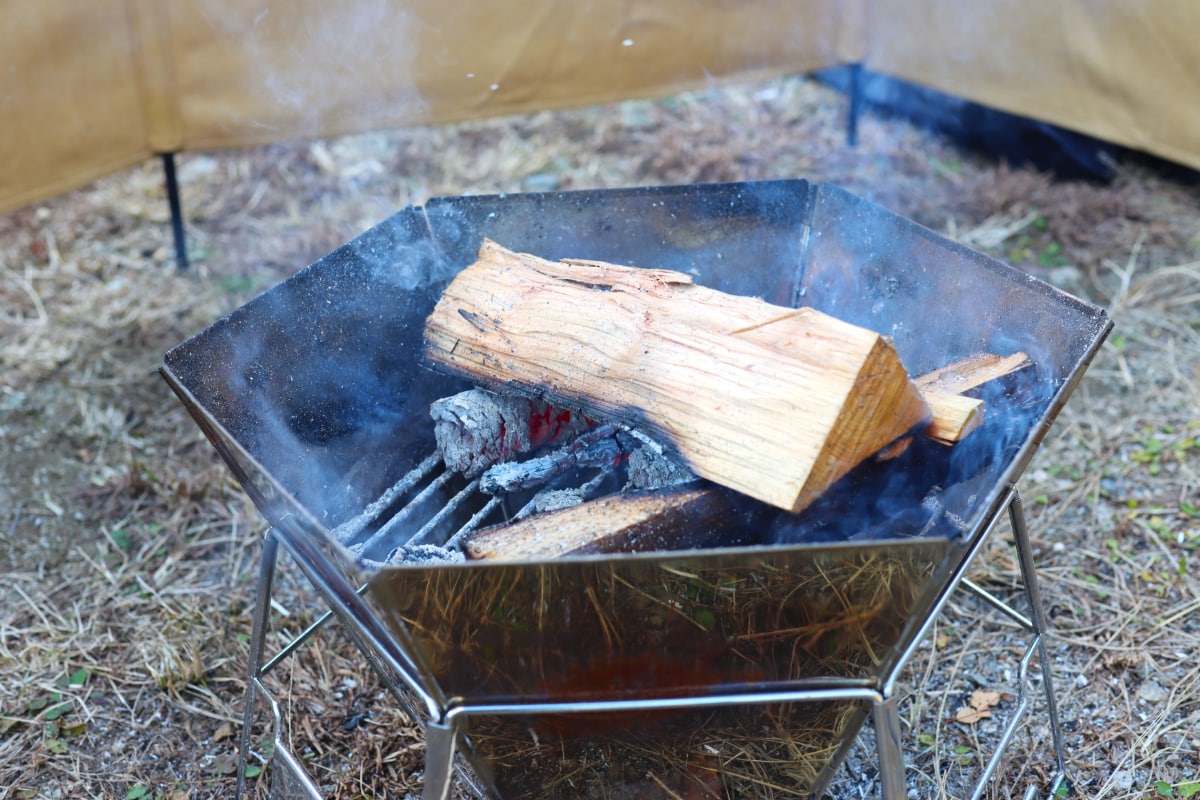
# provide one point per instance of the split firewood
(777, 403)
(972, 372)
(673, 519)
(626, 523)
(955, 415)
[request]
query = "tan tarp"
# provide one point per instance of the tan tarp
(90, 86)
(1127, 71)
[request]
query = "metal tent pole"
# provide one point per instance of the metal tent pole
(181, 256)
(854, 91)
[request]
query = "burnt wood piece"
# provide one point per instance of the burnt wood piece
(671, 519)
(476, 429)
(777, 403)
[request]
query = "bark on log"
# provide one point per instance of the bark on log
(774, 402)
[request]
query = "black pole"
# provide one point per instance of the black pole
(181, 257)
(855, 92)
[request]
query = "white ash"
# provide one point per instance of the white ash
(424, 554)
(556, 499)
(650, 467)
(476, 429)
(596, 448)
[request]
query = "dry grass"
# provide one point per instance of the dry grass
(129, 554)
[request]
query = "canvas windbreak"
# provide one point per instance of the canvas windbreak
(91, 87)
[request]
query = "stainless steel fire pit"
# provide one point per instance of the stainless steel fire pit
(671, 667)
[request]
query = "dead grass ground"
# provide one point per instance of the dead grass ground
(129, 554)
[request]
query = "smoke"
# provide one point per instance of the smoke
(938, 302)
(931, 489)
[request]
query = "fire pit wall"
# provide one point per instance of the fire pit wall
(315, 396)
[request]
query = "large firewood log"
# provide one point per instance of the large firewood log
(777, 403)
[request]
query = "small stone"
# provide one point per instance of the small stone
(1152, 692)
(1081, 681)
(1122, 780)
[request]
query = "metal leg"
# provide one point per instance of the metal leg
(1037, 615)
(855, 93)
(258, 635)
(181, 256)
(439, 759)
(886, 717)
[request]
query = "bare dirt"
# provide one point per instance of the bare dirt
(129, 554)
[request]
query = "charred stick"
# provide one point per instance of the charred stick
(596, 448)
(550, 499)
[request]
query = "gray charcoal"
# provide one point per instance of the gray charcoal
(596, 448)
(476, 429)
(424, 554)
(556, 499)
(651, 468)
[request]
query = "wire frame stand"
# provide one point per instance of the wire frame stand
(444, 721)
